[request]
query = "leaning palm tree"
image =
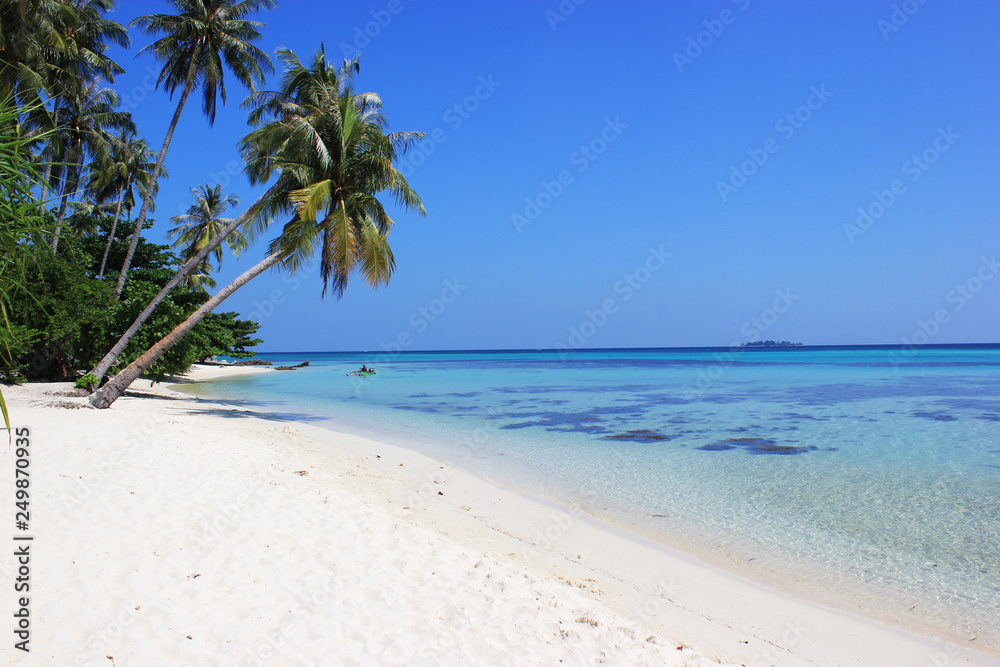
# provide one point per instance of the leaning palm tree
(202, 223)
(337, 153)
(197, 40)
(269, 151)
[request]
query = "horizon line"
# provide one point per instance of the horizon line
(753, 348)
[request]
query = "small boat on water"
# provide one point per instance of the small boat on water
(364, 373)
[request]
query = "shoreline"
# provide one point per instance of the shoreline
(840, 590)
(247, 470)
(693, 553)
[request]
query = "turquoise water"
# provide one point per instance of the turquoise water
(864, 477)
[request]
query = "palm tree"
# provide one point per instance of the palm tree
(127, 162)
(88, 115)
(87, 215)
(197, 39)
(31, 31)
(340, 158)
(194, 229)
(87, 38)
(70, 59)
(335, 149)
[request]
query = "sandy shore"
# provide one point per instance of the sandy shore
(173, 530)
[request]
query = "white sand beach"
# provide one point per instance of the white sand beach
(178, 530)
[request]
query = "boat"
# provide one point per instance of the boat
(362, 373)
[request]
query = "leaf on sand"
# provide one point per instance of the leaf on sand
(6, 419)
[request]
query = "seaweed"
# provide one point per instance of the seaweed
(639, 435)
(757, 446)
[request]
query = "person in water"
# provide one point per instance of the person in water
(364, 369)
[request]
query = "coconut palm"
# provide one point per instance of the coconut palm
(269, 151)
(335, 149)
(89, 117)
(127, 163)
(190, 265)
(202, 223)
(197, 40)
(43, 39)
(87, 215)
(86, 39)
(31, 31)
(343, 161)
(66, 59)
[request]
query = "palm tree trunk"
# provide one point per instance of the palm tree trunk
(114, 226)
(102, 367)
(59, 219)
(72, 176)
(188, 86)
(46, 175)
(48, 165)
(108, 394)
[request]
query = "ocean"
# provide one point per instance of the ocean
(867, 478)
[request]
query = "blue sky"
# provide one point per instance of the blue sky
(636, 174)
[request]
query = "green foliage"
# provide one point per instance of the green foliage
(64, 319)
(222, 334)
(153, 266)
(24, 225)
(6, 417)
(88, 382)
(202, 223)
(335, 158)
(167, 315)
(209, 33)
(57, 316)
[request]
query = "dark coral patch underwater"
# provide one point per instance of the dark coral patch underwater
(936, 416)
(757, 446)
(639, 435)
(580, 422)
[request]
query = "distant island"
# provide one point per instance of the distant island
(770, 343)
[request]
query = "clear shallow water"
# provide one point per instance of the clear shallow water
(863, 476)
